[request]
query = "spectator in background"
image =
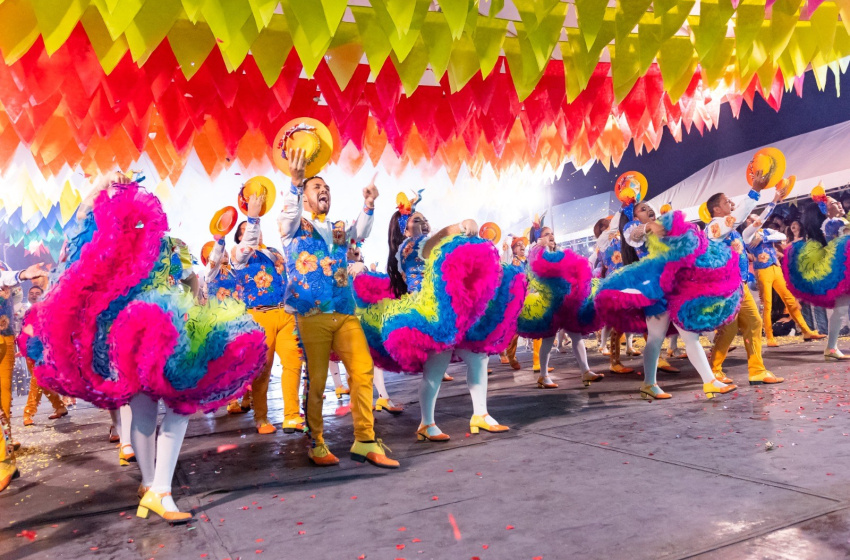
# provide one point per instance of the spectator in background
(845, 201)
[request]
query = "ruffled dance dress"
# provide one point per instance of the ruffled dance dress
(816, 273)
(458, 282)
(115, 325)
(560, 295)
(696, 281)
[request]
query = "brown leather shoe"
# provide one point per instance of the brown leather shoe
(57, 414)
(321, 456)
(515, 364)
(372, 451)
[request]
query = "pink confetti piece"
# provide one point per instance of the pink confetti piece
(225, 447)
(455, 528)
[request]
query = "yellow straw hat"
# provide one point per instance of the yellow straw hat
(308, 134)
(260, 186)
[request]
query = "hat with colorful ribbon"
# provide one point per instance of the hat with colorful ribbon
(308, 134)
(630, 189)
(406, 207)
(260, 186)
(536, 228)
(771, 162)
(819, 196)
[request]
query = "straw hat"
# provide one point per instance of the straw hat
(260, 186)
(308, 134)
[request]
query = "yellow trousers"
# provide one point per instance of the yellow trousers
(535, 359)
(7, 367)
(748, 322)
(281, 337)
(34, 397)
(325, 332)
(510, 351)
(771, 278)
(7, 450)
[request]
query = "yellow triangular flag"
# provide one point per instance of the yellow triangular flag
(488, 39)
(191, 44)
(271, 48)
(109, 53)
(375, 43)
(20, 29)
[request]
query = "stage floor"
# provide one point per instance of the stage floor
(583, 473)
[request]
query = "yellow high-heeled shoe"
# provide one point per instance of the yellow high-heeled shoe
(835, 354)
(124, 459)
(388, 405)
(710, 389)
(546, 383)
(340, 391)
(152, 502)
(589, 377)
(422, 434)
(652, 392)
(480, 422)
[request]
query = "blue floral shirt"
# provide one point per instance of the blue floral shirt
(612, 257)
(259, 272)
(410, 261)
(764, 254)
(317, 257)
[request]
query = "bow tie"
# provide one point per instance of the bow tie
(320, 217)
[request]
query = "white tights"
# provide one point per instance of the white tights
(656, 332)
(476, 381)
(378, 379)
(579, 351)
(157, 456)
(122, 419)
(835, 321)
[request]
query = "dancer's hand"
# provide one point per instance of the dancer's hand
(255, 205)
(760, 180)
(757, 238)
(297, 165)
(656, 229)
(469, 228)
(34, 271)
(370, 193)
(781, 193)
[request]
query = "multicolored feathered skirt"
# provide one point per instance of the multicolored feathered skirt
(493, 332)
(560, 295)
(698, 282)
(818, 274)
(461, 277)
(110, 329)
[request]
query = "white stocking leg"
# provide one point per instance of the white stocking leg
(143, 435)
(168, 445)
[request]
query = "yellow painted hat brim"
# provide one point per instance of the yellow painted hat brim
(258, 185)
(323, 156)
